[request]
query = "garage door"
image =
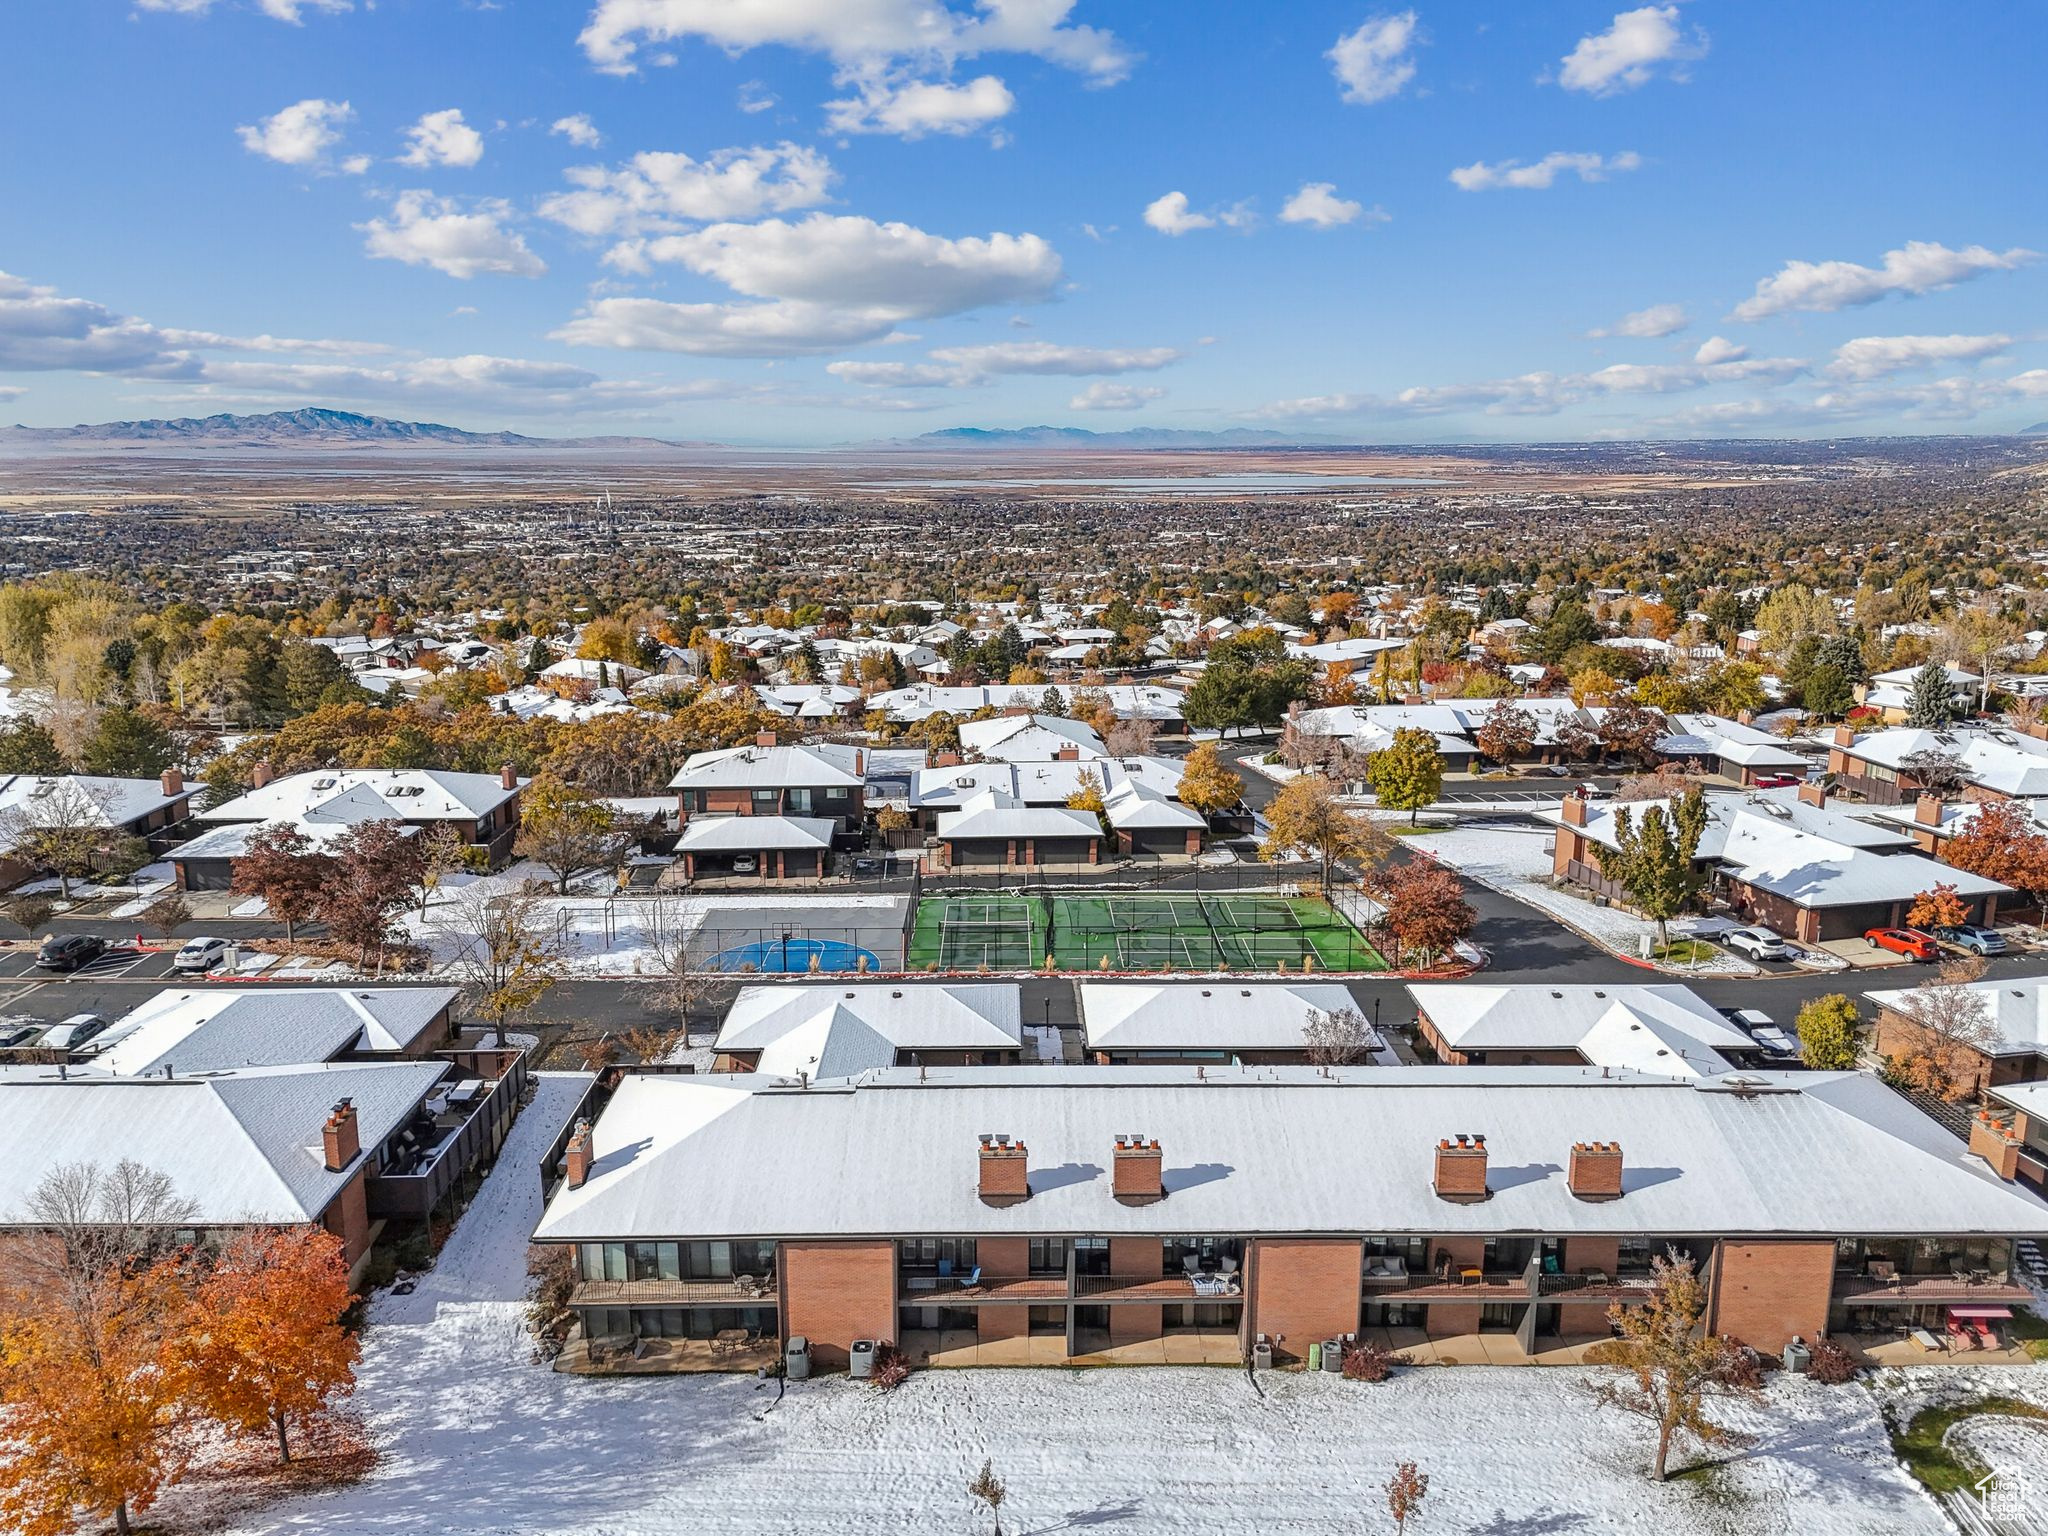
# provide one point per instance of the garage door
(206, 874)
(979, 855)
(1062, 850)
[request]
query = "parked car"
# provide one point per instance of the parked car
(12, 1035)
(1974, 937)
(1778, 780)
(1591, 791)
(1910, 942)
(200, 954)
(72, 1032)
(1553, 771)
(69, 951)
(1758, 1027)
(1757, 943)
(745, 864)
(869, 866)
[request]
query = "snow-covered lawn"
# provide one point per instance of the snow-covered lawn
(476, 1439)
(1516, 862)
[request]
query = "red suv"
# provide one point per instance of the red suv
(1910, 942)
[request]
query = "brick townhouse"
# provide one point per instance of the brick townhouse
(1186, 1212)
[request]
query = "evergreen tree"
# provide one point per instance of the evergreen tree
(27, 747)
(1932, 700)
(127, 744)
(1827, 693)
(1653, 861)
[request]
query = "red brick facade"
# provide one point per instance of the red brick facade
(1766, 1293)
(836, 1293)
(1304, 1290)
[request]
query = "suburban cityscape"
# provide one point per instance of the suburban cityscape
(603, 949)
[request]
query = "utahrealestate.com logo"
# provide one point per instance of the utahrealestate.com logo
(2006, 1494)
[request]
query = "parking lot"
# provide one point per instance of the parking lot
(121, 962)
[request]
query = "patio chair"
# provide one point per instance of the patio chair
(1885, 1270)
(945, 1269)
(1192, 1264)
(973, 1281)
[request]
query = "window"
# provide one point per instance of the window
(1048, 1256)
(1091, 1255)
(797, 803)
(931, 1252)
(1634, 1254)
(765, 801)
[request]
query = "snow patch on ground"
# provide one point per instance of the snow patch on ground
(1516, 862)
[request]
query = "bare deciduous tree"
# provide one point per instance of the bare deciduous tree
(509, 951)
(1337, 1037)
(1950, 1029)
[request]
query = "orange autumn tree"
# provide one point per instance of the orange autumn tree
(1940, 907)
(269, 1351)
(92, 1303)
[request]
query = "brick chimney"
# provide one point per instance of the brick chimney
(1745, 717)
(945, 759)
(1067, 755)
(1845, 735)
(508, 777)
(1595, 1172)
(1993, 1140)
(1815, 795)
(261, 774)
(1136, 1177)
(172, 782)
(340, 1143)
(1004, 1171)
(580, 1154)
(765, 738)
(1927, 810)
(1574, 810)
(1461, 1170)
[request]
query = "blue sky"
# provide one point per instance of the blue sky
(814, 221)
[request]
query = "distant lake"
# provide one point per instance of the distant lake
(1278, 482)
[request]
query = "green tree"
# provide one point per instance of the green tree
(127, 744)
(1653, 861)
(306, 673)
(1791, 613)
(27, 747)
(1827, 1029)
(1568, 627)
(1731, 687)
(1827, 693)
(1408, 774)
(1931, 702)
(1845, 654)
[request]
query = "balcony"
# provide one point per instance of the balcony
(673, 1293)
(927, 1290)
(1954, 1289)
(1463, 1283)
(930, 1290)
(1596, 1286)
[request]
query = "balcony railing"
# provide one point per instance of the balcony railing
(946, 1290)
(672, 1293)
(954, 1290)
(1602, 1288)
(1963, 1290)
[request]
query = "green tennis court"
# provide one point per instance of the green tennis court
(1150, 931)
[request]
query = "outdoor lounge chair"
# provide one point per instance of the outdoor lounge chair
(973, 1281)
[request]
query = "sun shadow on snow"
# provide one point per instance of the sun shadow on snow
(1043, 1179)
(1081, 1519)
(1633, 1179)
(1511, 1175)
(1504, 1524)
(1172, 1179)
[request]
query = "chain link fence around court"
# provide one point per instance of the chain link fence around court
(1150, 931)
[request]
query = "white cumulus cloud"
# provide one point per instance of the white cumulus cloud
(1719, 349)
(429, 231)
(292, 11)
(578, 129)
(657, 189)
(1873, 357)
(1045, 357)
(1170, 215)
(1631, 51)
(442, 138)
(300, 134)
(1919, 266)
(1317, 203)
(913, 108)
(1116, 397)
(1647, 324)
(1483, 177)
(1373, 63)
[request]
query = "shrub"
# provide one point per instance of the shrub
(892, 1368)
(1746, 1368)
(414, 1251)
(1367, 1361)
(1831, 1364)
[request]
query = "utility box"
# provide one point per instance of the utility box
(1333, 1355)
(1262, 1354)
(796, 1358)
(1797, 1357)
(1315, 1357)
(861, 1359)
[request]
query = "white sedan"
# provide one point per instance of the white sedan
(200, 954)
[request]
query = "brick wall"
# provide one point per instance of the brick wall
(1765, 1292)
(1142, 1258)
(1305, 1290)
(1003, 1322)
(348, 1218)
(1582, 1253)
(1448, 1319)
(839, 1292)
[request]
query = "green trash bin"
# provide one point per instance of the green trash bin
(1315, 1357)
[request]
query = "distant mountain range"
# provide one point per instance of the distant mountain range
(1137, 437)
(2038, 429)
(295, 429)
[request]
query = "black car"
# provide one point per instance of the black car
(69, 951)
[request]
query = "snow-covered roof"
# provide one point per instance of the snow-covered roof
(1029, 738)
(1133, 806)
(1205, 1016)
(841, 1030)
(1730, 740)
(2015, 1007)
(349, 796)
(824, 765)
(2010, 762)
(84, 797)
(212, 1029)
(998, 813)
(1660, 1029)
(242, 1146)
(1363, 648)
(1275, 1149)
(1130, 701)
(755, 834)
